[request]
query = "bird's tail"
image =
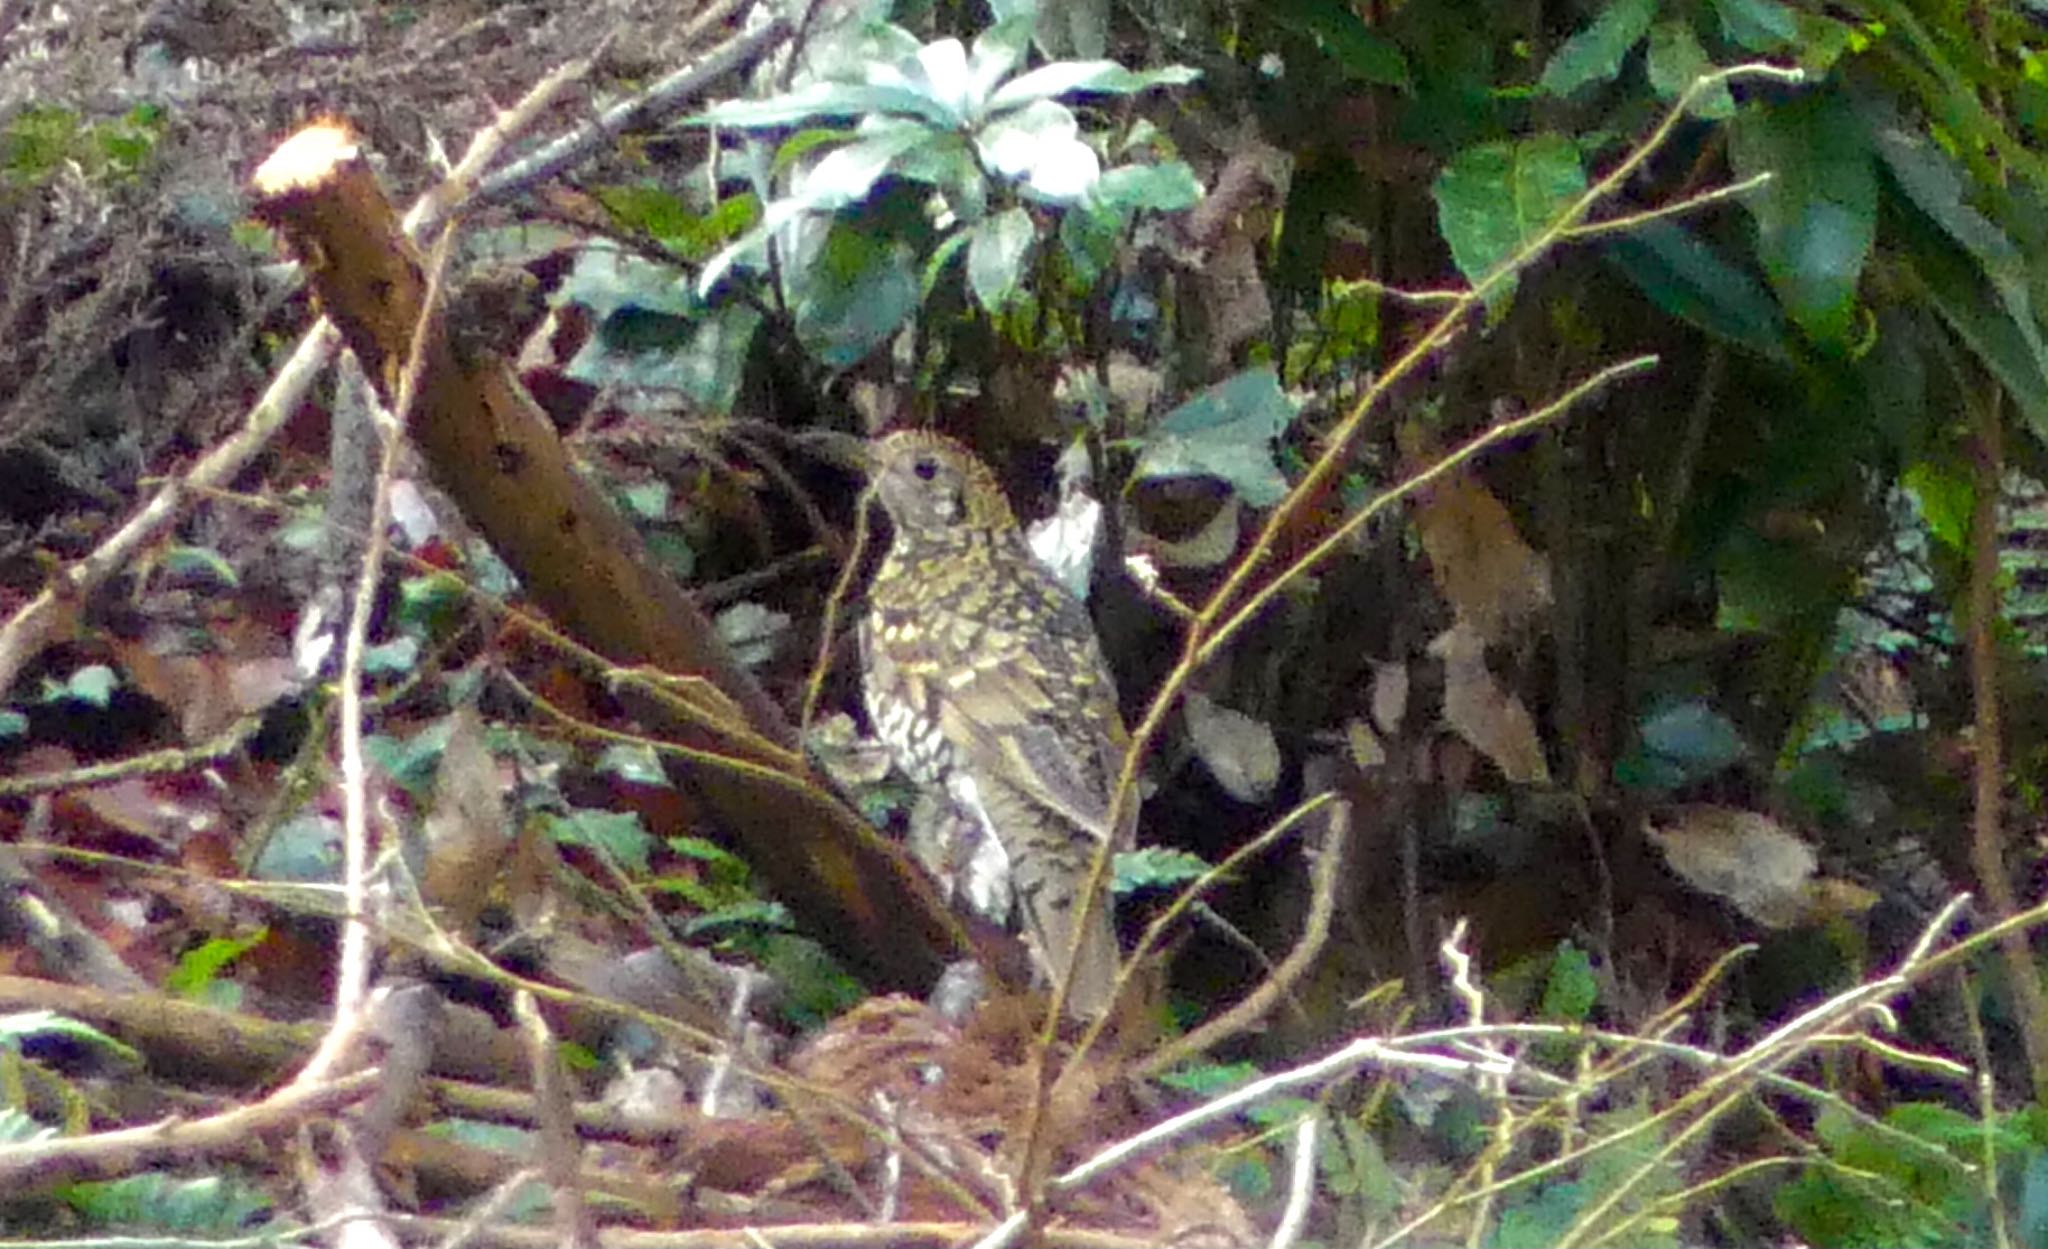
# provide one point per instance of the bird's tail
(1090, 993)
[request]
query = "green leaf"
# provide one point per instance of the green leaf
(1679, 744)
(858, 294)
(1758, 25)
(1816, 218)
(618, 834)
(1939, 188)
(1688, 279)
(1595, 53)
(93, 684)
(747, 913)
(1210, 1079)
(1226, 432)
(1167, 187)
(20, 1026)
(1952, 282)
(201, 562)
(1946, 495)
(397, 657)
(848, 173)
(1156, 867)
(821, 100)
(1676, 60)
(995, 256)
(12, 723)
(646, 500)
(215, 1205)
(1040, 148)
(426, 603)
(197, 968)
(1090, 77)
(1493, 200)
(1571, 990)
(410, 761)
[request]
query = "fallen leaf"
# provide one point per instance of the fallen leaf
(1483, 712)
(1494, 581)
(1743, 857)
(1239, 751)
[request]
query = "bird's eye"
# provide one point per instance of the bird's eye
(925, 469)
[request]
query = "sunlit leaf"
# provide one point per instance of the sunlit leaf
(1493, 200)
(995, 256)
(1091, 77)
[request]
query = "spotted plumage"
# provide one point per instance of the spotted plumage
(984, 678)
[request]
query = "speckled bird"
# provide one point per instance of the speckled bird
(985, 680)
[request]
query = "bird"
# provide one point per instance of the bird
(983, 676)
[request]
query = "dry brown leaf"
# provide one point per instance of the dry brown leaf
(1485, 713)
(1494, 581)
(1240, 751)
(1743, 857)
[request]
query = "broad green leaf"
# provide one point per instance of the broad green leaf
(1758, 25)
(1953, 283)
(1932, 180)
(1089, 240)
(847, 173)
(1227, 432)
(617, 833)
(660, 214)
(1689, 280)
(1167, 187)
(1091, 77)
(1595, 53)
(701, 357)
(1493, 200)
(822, 100)
(1816, 218)
(606, 278)
(1041, 147)
(995, 256)
(215, 1206)
(1676, 60)
(858, 293)
(1688, 741)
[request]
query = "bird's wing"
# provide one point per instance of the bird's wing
(1041, 709)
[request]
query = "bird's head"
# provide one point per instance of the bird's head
(931, 486)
